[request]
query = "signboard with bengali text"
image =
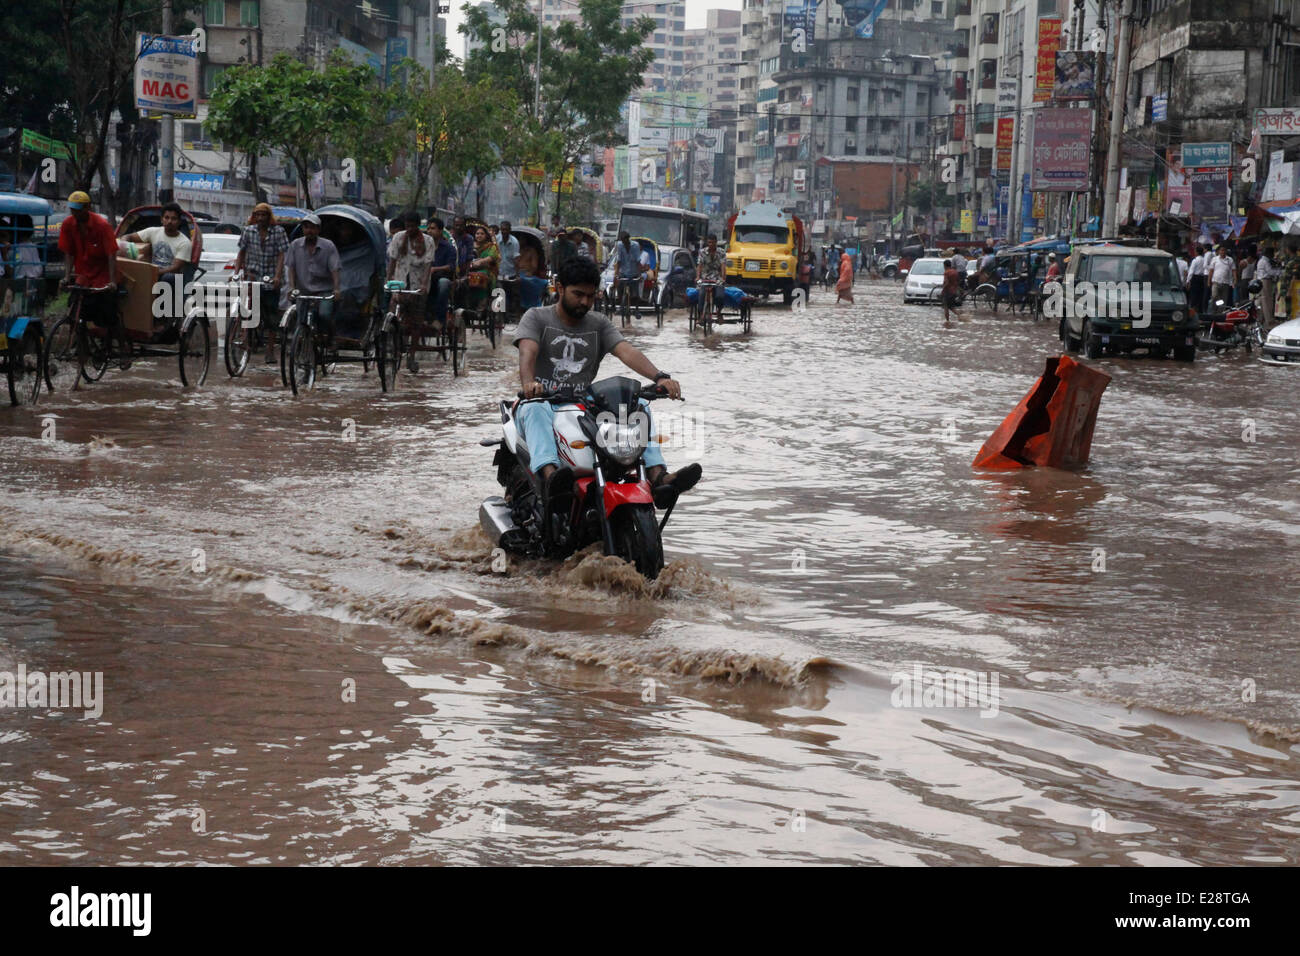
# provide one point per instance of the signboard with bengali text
(1049, 42)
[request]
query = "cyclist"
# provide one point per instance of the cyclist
(627, 269)
(89, 240)
(262, 246)
(314, 267)
(711, 270)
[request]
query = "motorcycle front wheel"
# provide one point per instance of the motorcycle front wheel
(636, 539)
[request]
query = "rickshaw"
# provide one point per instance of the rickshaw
(531, 267)
(151, 322)
(638, 296)
(319, 329)
(474, 294)
(731, 305)
(22, 292)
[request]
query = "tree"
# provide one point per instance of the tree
(288, 106)
(589, 69)
(68, 64)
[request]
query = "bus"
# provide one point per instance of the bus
(670, 228)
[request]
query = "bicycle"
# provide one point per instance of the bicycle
(74, 353)
(705, 307)
(623, 298)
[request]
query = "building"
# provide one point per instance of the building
(818, 89)
(379, 32)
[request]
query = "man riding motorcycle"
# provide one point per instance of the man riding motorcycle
(560, 348)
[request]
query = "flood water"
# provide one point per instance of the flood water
(308, 656)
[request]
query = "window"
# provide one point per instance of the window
(988, 74)
(936, 8)
(852, 94)
(249, 13)
(989, 28)
(850, 124)
(214, 13)
(211, 76)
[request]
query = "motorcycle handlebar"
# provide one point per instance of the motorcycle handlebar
(648, 392)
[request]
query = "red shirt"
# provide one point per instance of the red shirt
(90, 248)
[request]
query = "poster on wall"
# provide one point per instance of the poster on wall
(1061, 150)
(1049, 42)
(1076, 75)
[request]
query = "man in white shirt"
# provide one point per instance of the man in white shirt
(1196, 281)
(508, 269)
(1181, 261)
(959, 263)
(1266, 273)
(169, 248)
(1223, 277)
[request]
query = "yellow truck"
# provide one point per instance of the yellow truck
(763, 247)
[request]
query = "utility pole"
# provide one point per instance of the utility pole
(1119, 94)
(166, 152)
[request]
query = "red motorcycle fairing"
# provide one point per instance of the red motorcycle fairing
(616, 494)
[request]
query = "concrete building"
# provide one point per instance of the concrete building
(835, 96)
(378, 32)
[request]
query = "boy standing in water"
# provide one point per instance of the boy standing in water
(951, 288)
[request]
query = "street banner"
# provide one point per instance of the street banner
(532, 174)
(802, 16)
(863, 14)
(1049, 42)
(47, 147)
(396, 49)
(1178, 192)
(1008, 94)
(1278, 121)
(959, 122)
(967, 221)
(1040, 205)
(1160, 107)
(1061, 150)
(1209, 192)
(1207, 155)
(1004, 161)
(166, 74)
(1076, 75)
(1006, 133)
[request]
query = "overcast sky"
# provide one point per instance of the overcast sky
(696, 15)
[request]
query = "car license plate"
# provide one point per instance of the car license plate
(753, 266)
(1147, 339)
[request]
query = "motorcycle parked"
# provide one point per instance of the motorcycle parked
(1238, 326)
(602, 436)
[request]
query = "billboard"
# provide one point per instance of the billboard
(863, 15)
(166, 74)
(1207, 154)
(1278, 121)
(802, 16)
(1049, 42)
(1061, 150)
(1076, 75)
(1209, 188)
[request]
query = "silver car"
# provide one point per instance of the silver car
(925, 276)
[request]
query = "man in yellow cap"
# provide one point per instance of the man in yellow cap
(262, 246)
(89, 246)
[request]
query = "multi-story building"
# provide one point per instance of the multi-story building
(380, 32)
(822, 102)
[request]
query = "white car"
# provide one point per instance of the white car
(924, 276)
(218, 256)
(1283, 344)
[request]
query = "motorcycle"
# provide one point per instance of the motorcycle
(601, 434)
(1238, 326)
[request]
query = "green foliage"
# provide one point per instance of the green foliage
(288, 106)
(589, 69)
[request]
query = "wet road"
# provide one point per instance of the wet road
(308, 657)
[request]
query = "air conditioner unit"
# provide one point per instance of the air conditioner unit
(850, 142)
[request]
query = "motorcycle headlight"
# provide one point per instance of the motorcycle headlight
(623, 443)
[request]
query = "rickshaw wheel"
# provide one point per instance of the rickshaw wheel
(92, 353)
(25, 371)
(302, 359)
(456, 338)
(61, 369)
(194, 351)
(388, 356)
(238, 349)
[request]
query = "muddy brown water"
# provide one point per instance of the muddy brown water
(308, 657)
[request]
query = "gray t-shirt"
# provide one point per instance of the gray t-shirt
(567, 356)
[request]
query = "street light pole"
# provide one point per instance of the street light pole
(1119, 94)
(167, 150)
